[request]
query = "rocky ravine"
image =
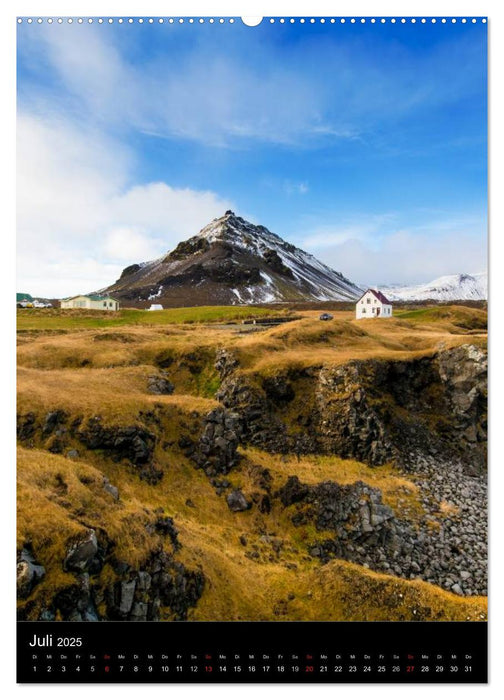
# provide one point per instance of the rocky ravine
(427, 415)
(374, 411)
(450, 552)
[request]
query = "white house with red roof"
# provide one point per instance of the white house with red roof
(373, 304)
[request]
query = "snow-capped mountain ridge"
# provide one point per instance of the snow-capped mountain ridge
(459, 287)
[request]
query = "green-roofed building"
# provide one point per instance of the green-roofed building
(23, 297)
(98, 302)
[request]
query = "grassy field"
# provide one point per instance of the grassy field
(95, 365)
(73, 319)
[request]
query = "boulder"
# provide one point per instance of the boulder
(52, 420)
(159, 384)
(109, 488)
(126, 596)
(292, 491)
(28, 573)
(237, 502)
(81, 552)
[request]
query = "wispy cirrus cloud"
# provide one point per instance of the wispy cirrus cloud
(234, 92)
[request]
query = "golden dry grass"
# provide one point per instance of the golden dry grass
(59, 498)
(104, 372)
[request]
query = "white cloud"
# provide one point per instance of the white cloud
(294, 188)
(362, 228)
(406, 256)
(124, 244)
(216, 97)
(80, 220)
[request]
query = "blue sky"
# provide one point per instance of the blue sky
(363, 144)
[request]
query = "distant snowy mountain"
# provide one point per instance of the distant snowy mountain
(231, 261)
(460, 287)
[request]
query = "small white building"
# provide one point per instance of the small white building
(155, 307)
(97, 302)
(373, 304)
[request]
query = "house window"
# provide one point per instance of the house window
(110, 304)
(368, 300)
(364, 310)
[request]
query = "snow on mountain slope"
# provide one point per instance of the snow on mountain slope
(461, 287)
(231, 261)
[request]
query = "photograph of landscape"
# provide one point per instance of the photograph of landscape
(252, 321)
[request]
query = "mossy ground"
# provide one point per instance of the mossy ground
(89, 371)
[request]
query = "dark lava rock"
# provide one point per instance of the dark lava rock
(372, 410)
(293, 491)
(165, 526)
(52, 420)
(135, 594)
(130, 270)
(278, 389)
(123, 442)
(151, 473)
(161, 581)
(75, 603)
(81, 551)
(26, 425)
(159, 384)
(28, 573)
(265, 504)
(216, 451)
(274, 261)
(226, 362)
(196, 244)
(237, 502)
(257, 421)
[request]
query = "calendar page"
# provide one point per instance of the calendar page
(252, 349)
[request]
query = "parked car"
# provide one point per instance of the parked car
(326, 317)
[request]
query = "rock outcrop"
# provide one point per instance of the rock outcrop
(28, 573)
(374, 411)
(126, 593)
(216, 449)
(159, 383)
(448, 551)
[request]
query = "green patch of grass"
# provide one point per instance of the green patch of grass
(75, 319)
(460, 316)
(208, 384)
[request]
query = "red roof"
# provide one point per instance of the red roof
(381, 297)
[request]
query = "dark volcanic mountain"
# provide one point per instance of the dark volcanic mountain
(231, 261)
